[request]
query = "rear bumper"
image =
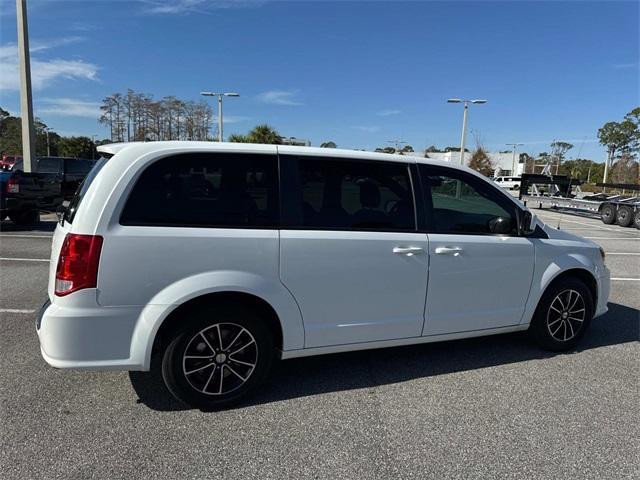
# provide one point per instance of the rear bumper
(95, 338)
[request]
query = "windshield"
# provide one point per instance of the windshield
(72, 208)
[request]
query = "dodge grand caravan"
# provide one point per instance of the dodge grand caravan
(221, 258)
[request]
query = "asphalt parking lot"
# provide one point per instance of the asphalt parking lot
(480, 408)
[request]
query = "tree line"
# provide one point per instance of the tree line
(135, 116)
(47, 141)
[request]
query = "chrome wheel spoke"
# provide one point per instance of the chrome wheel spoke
(576, 311)
(207, 341)
(219, 336)
(236, 373)
(236, 338)
(571, 307)
(557, 330)
(242, 363)
(199, 368)
(204, 389)
(571, 328)
(555, 321)
(242, 347)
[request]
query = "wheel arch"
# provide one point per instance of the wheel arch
(223, 298)
(581, 274)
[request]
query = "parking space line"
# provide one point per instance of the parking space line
(25, 236)
(623, 279)
(612, 238)
(621, 253)
(563, 219)
(15, 310)
(11, 259)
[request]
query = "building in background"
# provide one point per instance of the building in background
(502, 162)
(298, 142)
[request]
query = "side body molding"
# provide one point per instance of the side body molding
(174, 295)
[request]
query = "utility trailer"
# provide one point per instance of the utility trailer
(621, 209)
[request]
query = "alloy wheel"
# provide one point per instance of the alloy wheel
(566, 315)
(220, 358)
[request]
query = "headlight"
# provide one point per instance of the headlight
(602, 253)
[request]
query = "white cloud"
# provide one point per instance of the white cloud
(624, 66)
(43, 72)
(176, 7)
(69, 107)
(280, 97)
(367, 128)
(388, 113)
(231, 119)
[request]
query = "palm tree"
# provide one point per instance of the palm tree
(264, 134)
(328, 145)
(238, 138)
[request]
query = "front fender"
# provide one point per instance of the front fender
(547, 271)
(176, 294)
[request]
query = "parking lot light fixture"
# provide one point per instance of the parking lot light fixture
(464, 121)
(220, 95)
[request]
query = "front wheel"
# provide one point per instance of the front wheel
(218, 357)
(636, 219)
(563, 315)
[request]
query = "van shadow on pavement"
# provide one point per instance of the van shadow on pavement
(370, 368)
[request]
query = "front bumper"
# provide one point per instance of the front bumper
(604, 288)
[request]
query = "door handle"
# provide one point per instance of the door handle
(408, 251)
(455, 251)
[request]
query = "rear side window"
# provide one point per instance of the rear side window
(350, 195)
(206, 190)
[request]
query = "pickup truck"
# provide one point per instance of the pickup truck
(53, 179)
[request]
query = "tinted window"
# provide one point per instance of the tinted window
(49, 165)
(200, 190)
(341, 194)
(77, 166)
(71, 210)
(461, 203)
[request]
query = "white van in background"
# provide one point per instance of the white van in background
(508, 183)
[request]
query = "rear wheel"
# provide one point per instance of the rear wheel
(636, 219)
(608, 214)
(563, 315)
(624, 217)
(217, 357)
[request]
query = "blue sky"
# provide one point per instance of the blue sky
(357, 73)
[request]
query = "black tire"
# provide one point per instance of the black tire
(608, 214)
(550, 324)
(201, 386)
(636, 219)
(624, 217)
(25, 217)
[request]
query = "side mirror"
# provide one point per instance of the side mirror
(500, 225)
(528, 223)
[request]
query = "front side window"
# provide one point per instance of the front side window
(459, 203)
(352, 195)
(206, 190)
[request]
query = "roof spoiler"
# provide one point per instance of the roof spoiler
(110, 149)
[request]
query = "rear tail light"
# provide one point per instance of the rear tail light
(78, 263)
(12, 185)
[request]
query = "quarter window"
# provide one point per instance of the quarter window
(206, 190)
(352, 195)
(463, 204)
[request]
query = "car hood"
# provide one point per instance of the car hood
(557, 234)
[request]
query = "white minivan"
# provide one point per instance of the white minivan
(222, 258)
(509, 183)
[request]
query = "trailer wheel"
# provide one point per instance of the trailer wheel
(608, 214)
(624, 217)
(636, 219)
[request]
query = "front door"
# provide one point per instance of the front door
(480, 271)
(350, 252)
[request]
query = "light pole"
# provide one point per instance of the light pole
(513, 162)
(464, 121)
(26, 104)
(220, 95)
(46, 130)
